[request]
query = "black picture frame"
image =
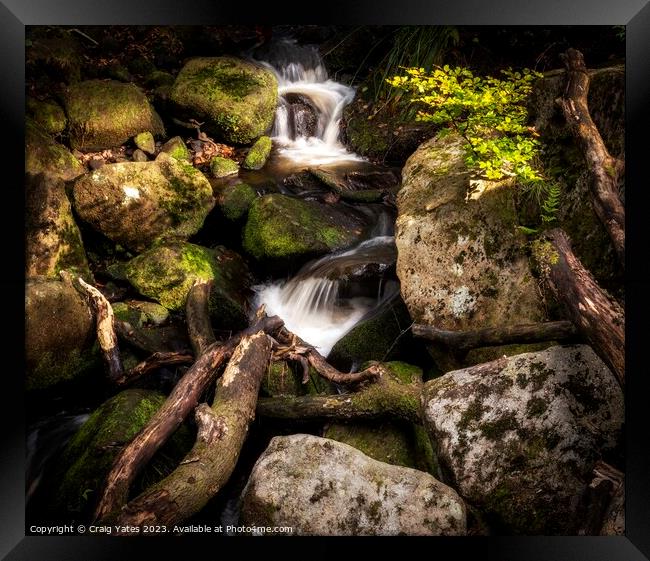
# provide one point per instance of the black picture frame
(634, 14)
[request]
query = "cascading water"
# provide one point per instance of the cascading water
(306, 127)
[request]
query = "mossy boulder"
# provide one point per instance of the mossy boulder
(283, 227)
(48, 115)
(323, 487)
(138, 203)
(59, 334)
(159, 78)
(52, 238)
(139, 313)
(105, 113)
(44, 155)
(382, 336)
(234, 98)
(521, 444)
(88, 457)
(176, 148)
(461, 260)
(223, 167)
(235, 200)
(167, 272)
(258, 154)
(145, 142)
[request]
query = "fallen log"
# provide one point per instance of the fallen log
(154, 362)
(222, 430)
(596, 315)
(605, 170)
(198, 317)
(343, 190)
(463, 341)
(182, 400)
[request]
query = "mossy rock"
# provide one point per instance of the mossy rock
(258, 154)
(145, 142)
(44, 155)
(140, 313)
(176, 148)
(380, 337)
(56, 53)
(167, 272)
(223, 167)
(48, 115)
(52, 239)
(105, 113)
(88, 457)
(59, 335)
(235, 200)
(138, 203)
(234, 98)
(284, 378)
(159, 78)
(282, 227)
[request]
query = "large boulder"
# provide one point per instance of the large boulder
(105, 113)
(461, 258)
(235, 99)
(138, 203)
(48, 115)
(59, 333)
(283, 227)
(167, 272)
(521, 442)
(44, 155)
(322, 487)
(88, 457)
(52, 238)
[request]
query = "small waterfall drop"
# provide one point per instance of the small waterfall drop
(306, 126)
(312, 304)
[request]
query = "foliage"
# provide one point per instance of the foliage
(488, 112)
(547, 195)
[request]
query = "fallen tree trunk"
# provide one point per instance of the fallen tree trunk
(106, 336)
(182, 400)
(595, 313)
(222, 430)
(198, 317)
(154, 362)
(463, 341)
(605, 170)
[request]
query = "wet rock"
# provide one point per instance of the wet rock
(322, 487)
(302, 116)
(48, 115)
(59, 331)
(234, 98)
(223, 167)
(461, 260)
(105, 113)
(167, 272)
(136, 204)
(235, 200)
(258, 154)
(88, 457)
(138, 156)
(145, 142)
(176, 148)
(521, 444)
(44, 155)
(52, 238)
(282, 227)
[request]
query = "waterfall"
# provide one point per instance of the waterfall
(306, 127)
(311, 303)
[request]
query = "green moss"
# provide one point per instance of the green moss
(222, 167)
(42, 154)
(236, 200)
(258, 154)
(106, 113)
(176, 148)
(56, 368)
(145, 142)
(47, 115)
(279, 226)
(544, 254)
(159, 78)
(472, 414)
(404, 372)
(494, 430)
(536, 406)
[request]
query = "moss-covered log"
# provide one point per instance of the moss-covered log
(605, 170)
(183, 399)
(599, 318)
(463, 341)
(384, 399)
(222, 430)
(197, 315)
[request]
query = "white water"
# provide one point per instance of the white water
(327, 97)
(310, 304)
